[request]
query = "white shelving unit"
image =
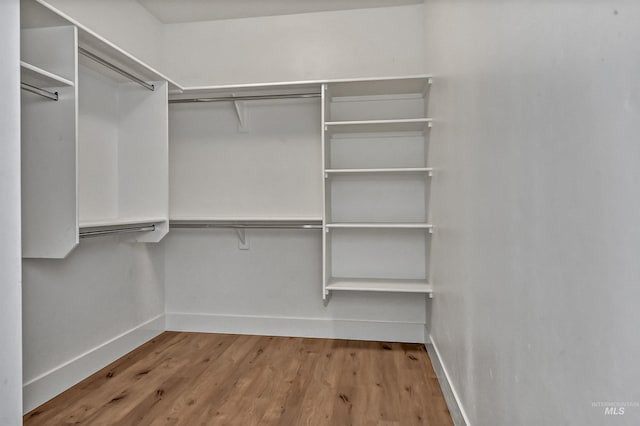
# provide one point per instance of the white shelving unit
(95, 155)
(49, 142)
(376, 192)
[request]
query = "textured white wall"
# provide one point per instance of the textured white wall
(272, 169)
(104, 288)
(325, 45)
(10, 291)
(277, 281)
(536, 202)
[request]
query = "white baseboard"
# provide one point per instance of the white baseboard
(44, 387)
(456, 409)
(407, 332)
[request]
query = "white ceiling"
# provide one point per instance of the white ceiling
(176, 11)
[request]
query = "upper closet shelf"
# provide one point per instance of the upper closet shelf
(34, 76)
(380, 87)
(367, 126)
(367, 87)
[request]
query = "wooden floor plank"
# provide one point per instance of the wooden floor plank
(212, 379)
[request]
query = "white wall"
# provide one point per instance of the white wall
(10, 275)
(536, 203)
(271, 169)
(85, 311)
(123, 22)
(274, 288)
(324, 45)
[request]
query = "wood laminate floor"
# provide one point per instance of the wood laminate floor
(223, 379)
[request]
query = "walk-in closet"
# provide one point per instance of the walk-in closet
(402, 212)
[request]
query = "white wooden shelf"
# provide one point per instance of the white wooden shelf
(376, 225)
(376, 126)
(380, 87)
(38, 77)
(400, 170)
(380, 284)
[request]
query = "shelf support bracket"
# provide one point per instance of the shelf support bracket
(243, 244)
(241, 112)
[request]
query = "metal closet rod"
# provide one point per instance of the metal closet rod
(249, 224)
(112, 67)
(116, 230)
(38, 91)
(246, 98)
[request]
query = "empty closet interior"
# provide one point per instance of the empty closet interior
(298, 207)
(458, 174)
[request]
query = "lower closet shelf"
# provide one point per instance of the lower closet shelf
(380, 284)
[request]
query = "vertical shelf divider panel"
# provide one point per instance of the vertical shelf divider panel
(326, 201)
(375, 148)
(49, 137)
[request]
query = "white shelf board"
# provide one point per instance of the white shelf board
(121, 222)
(38, 77)
(380, 284)
(382, 170)
(377, 225)
(244, 219)
(393, 86)
(367, 126)
(315, 84)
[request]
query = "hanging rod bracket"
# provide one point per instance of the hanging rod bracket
(241, 112)
(112, 67)
(243, 243)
